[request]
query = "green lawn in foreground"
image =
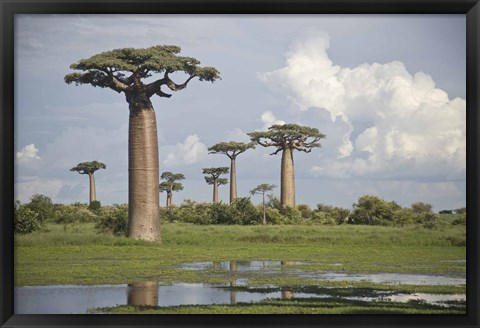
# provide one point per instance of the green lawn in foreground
(81, 256)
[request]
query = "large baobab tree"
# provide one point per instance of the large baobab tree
(89, 168)
(232, 150)
(170, 185)
(287, 138)
(125, 71)
(262, 189)
(214, 179)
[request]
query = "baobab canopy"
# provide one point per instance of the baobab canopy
(122, 69)
(292, 136)
(287, 138)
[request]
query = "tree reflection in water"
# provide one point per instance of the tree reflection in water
(143, 293)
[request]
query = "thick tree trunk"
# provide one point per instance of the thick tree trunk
(93, 195)
(287, 179)
(143, 178)
(215, 190)
(233, 181)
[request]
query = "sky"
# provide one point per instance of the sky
(388, 91)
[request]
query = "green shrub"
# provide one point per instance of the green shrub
(43, 206)
(113, 220)
(25, 220)
(95, 206)
(373, 210)
(292, 215)
(221, 213)
(430, 220)
(460, 219)
(273, 215)
(404, 216)
(305, 211)
(70, 214)
(244, 212)
(328, 214)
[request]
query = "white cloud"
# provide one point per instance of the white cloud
(269, 119)
(36, 185)
(189, 152)
(399, 124)
(27, 154)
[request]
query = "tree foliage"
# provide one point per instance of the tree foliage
(232, 149)
(220, 181)
(262, 189)
(170, 184)
(292, 136)
(124, 69)
(88, 167)
(214, 173)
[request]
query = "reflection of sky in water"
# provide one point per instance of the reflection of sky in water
(67, 299)
(78, 299)
(395, 278)
(238, 265)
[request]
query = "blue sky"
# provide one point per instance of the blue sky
(388, 91)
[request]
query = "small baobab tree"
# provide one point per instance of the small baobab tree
(287, 138)
(130, 71)
(170, 185)
(89, 168)
(232, 150)
(262, 189)
(214, 179)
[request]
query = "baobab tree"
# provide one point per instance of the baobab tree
(89, 168)
(287, 138)
(170, 185)
(124, 71)
(214, 179)
(262, 189)
(232, 150)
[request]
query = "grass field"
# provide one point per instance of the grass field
(80, 256)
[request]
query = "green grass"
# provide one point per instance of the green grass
(81, 256)
(295, 306)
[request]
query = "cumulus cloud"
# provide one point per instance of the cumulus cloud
(269, 119)
(27, 154)
(400, 125)
(189, 152)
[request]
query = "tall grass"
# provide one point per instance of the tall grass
(218, 235)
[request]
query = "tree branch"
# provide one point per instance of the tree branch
(173, 86)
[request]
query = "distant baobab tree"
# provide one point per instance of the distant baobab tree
(89, 168)
(125, 71)
(232, 150)
(262, 189)
(170, 185)
(287, 138)
(214, 179)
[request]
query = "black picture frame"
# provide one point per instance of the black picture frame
(9, 8)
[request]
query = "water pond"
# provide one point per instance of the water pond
(69, 299)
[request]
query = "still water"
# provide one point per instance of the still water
(69, 299)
